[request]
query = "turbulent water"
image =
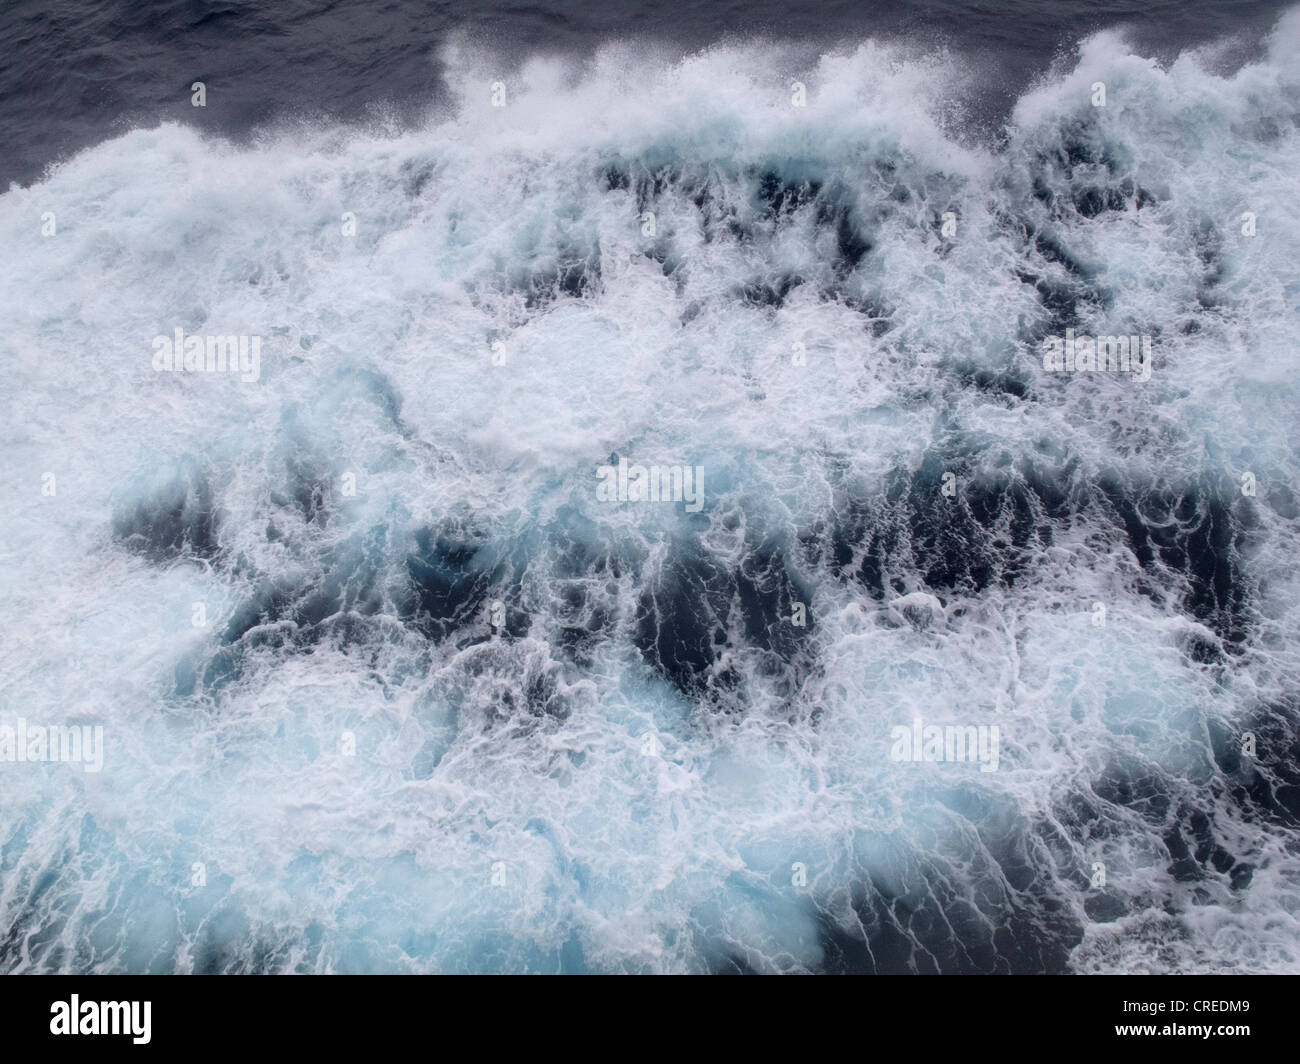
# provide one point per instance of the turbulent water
(386, 686)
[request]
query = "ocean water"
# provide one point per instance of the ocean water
(387, 685)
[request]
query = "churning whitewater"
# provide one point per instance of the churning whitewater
(673, 524)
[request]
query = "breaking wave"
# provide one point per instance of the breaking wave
(587, 735)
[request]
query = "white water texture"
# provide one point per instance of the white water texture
(636, 768)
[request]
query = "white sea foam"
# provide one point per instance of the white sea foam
(499, 811)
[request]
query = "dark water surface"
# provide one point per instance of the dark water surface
(73, 71)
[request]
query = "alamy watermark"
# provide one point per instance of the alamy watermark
(1106, 354)
(76, 744)
(951, 742)
(79, 1017)
(674, 483)
(209, 354)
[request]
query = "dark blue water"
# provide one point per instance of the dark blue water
(72, 71)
